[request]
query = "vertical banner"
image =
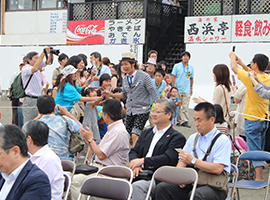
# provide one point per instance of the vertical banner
(208, 29)
(85, 32)
(251, 28)
(125, 31)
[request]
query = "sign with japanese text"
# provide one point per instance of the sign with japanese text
(125, 31)
(85, 32)
(251, 28)
(207, 29)
(58, 22)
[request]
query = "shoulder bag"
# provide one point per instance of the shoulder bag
(76, 142)
(216, 181)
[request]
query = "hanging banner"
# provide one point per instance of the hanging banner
(85, 32)
(207, 29)
(247, 28)
(125, 31)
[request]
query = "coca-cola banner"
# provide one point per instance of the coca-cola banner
(85, 32)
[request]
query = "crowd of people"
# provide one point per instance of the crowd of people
(109, 105)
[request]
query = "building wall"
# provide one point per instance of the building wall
(33, 28)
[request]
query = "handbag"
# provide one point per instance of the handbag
(145, 175)
(85, 169)
(216, 181)
(228, 117)
(76, 142)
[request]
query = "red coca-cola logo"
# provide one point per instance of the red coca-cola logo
(84, 30)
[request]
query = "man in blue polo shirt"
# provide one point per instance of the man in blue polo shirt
(182, 79)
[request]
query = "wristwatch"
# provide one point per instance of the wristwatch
(90, 140)
(193, 161)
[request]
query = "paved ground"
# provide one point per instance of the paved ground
(5, 111)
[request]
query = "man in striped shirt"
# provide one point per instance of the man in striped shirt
(137, 90)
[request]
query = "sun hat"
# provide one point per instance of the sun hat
(129, 56)
(69, 70)
(151, 61)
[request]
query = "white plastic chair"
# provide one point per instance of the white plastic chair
(117, 172)
(176, 176)
(108, 188)
(250, 184)
(67, 184)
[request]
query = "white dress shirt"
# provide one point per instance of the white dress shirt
(50, 163)
(156, 138)
(10, 180)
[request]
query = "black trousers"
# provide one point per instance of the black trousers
(166, 191)
(15, 103)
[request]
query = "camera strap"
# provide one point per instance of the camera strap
(99, 69)
(46, 54)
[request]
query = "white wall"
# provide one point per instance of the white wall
(205, 56)
(11, 57)
(32, 28)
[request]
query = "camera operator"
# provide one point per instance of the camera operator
(31, 76)
(151, 54)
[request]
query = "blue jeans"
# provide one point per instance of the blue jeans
(255, 132)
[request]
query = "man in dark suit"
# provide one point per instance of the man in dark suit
(155, 146)
(19, 179)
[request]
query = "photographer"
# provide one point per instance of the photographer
(31, 76)
(97, 68)
(151, 54)
(255, 107)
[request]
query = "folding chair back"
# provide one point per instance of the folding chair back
(250, 184)
(117, 172)
(69, 166)
(67, 184)
(234, 173)
(176, 176)
(109, 188)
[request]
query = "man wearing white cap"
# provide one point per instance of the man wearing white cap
(137, 90)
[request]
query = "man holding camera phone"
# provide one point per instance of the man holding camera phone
(32, 81)
(255, 106)
(97, 69)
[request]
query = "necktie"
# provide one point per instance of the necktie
(130, 79)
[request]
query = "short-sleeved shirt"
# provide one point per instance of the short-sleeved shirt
(68, 97)
(115, 144)
(58, 134)
(159, 89)
(56, 72)
(35, 84)
(255, 105)
(104, 70)
(182, 80)
(220, 152)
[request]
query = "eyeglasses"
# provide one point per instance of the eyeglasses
(156, 112)
(2, 151)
